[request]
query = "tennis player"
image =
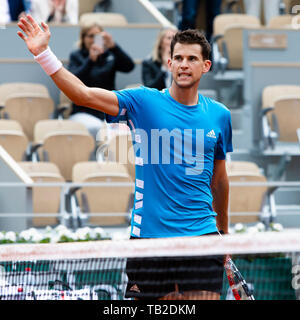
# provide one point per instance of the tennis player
(181, 191)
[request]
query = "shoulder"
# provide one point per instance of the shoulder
(135, 100)
(138, 94)
(215, 106)
(138, 91)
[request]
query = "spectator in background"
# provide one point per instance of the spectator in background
(189, 15)
(96, 64)
(12, 10)
(271, 8)
(155, 73)
(57, 11)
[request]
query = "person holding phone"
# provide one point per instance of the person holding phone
(95, 63)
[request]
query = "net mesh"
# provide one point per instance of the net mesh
(264, 266)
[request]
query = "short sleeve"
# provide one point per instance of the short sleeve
(224, 143)
(129, 101)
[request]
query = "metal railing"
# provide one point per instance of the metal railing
(66, 215)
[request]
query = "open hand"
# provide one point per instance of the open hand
(35, 37)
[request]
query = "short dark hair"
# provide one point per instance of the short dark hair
(192, 36)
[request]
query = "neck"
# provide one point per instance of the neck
(186, 96)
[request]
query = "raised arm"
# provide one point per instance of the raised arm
(37, 40)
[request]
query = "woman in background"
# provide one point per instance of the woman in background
(155, 72)
(95, 63)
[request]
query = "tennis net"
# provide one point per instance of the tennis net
(263, 266)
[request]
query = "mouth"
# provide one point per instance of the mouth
(184, 75)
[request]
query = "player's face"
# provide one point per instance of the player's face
(187, 65)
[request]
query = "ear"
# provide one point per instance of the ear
(169, 64)
(206, 66)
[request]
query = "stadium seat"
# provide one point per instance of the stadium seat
(63, 142)
(287, 115)
(105, 19)
(227, 43)
(280, 104)
(103, 199)
(45, 199)
(282, 21)
(10, 88)
(64, 107)
(103, 135)
(13, 139)
(251, 199)
(28, 109)
(118, 148)
(244, 166)
(289, 4)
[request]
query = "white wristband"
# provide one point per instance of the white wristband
(48, 61)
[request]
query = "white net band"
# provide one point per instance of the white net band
(262, 242)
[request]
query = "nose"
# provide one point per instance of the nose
(184, 63)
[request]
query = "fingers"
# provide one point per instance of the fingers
(32, 21)
(21, 35)
(97, 48)
(106, 37)
(45, 26)
(23, 29)
(26, 26)
(108, 40)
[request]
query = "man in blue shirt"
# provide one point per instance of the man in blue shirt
(176, 149)
(181, 191)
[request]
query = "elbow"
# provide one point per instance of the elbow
(132, 66)
(78, 101)
(129, 66)
(128, 69)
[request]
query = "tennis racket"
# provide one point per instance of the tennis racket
(237, 283)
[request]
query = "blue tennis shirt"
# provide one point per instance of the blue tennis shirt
(175, 147)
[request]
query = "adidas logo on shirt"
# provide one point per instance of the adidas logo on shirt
(211, 134)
